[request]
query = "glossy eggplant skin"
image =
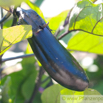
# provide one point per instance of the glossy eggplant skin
(56, 60)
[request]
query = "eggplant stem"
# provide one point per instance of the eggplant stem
(37, 85)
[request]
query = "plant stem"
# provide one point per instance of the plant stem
(58, 31)
(14, 18)
(37, 85)
(66, 22)
(1, 26)
(17, 57)
(63, 35)
(5, 17)
(45, 80)
(49, 84)
(1, 16)
(94, 1)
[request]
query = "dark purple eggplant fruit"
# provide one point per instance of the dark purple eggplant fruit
(56, 60)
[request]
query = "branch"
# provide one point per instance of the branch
(49, 84)
(22, 56)
(45, 80)
(59, 30)
(94, 1)
(5, 17)
(64, 35)
(1, 26)
(14, 18)
(37, 85)
(66, 22)
(1, 16)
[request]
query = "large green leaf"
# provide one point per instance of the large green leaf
(6, 8)
(55, 22)
(52, 94)
(86, 42)
(10, 2)
(87, 17)
(93, 0)
(22, 82)
(12, 35)
(28, 85)
(59, 94)
(99, 86)
(6, 90)
(7, 24)
(29, 51)
(70, 96)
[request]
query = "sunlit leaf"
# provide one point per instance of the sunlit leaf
(73, 95)
(10, 2)
(55, 22)
(29, 51)
(86, 42)
(35, 8)
(70, 96)
(12, 35)
(93, 0)
(6, 8)
(59, 94)
(87, 17)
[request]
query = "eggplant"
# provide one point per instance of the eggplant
(55, 59)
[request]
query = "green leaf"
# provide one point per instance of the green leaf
(7, 24)
(70, 96)
(20, 79)
(28, 85)
(6, 8)
(35, 8)
(12, 35)
(99, 87)
(11, 2)
(93, 0)
(55, 22)
(59, 94)
(6, 90)
(87, 43)
(66, 93)
(52, 94)
(29, 51)
(87, 17)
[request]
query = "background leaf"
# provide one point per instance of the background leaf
(55, 22)
(70, 96)
(6, 90)
(11, 2)
(86, 42)
(55, 93)
(22, 81)
(12, 35)
(52, 94)
(87, 17)
(7, 24)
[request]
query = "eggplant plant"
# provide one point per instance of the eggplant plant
(85, 17)
(56, 60)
